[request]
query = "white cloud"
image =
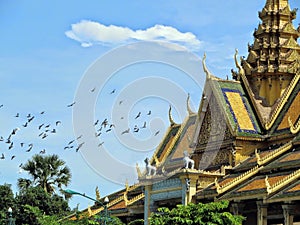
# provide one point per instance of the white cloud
(89, 33)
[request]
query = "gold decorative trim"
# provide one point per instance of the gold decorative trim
(222, 188)
(138, 170)
(190, 111)
(172, 123)
(283, 100)
(283, 182)
(274, 154)
(208, 74)
(135, 199)
(247, 86)
(294, 129)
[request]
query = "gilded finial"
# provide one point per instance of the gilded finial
(208, 74)
(257, 155)
(126, 185)
(170, 117)
(237, 64)
(217, 184)
(268, 184)
(156, 160)
(188, 105)
(125, 197)
(138, 170)
(90, 211)
(97, 193)
(294, 129)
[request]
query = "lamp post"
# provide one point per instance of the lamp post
(104, 204)
(106, 201)
(10, 219)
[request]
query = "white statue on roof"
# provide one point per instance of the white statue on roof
(188, 162)
(151, 170)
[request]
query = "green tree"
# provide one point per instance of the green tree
(6, 201)
(34, 201)
(48, 172)
(214, 213)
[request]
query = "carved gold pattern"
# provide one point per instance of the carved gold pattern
(283, 100)
(273, 154)
(294, 129)
(292, 113)
(222, 188)
(283, 182)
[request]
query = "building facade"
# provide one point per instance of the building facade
(242, 145)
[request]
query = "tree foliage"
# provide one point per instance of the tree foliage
(214, 213)
(6, 201)
(36, 198)
(48, 172)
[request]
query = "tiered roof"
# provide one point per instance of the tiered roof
(265, 175)
(271, 70)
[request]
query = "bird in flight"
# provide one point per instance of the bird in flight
(43, 151)
(149, 113)
(96, 122)
(30, 119)
(136, 129)
(42, 112)
(2, 156)
(156, 133)
(113, 91)
(70, 105)
(144, 126)
(79, 146)
(14, 131)
(70, 142)
(12, 157)
(138, 115)
(104, 123)
(11, 145)
(126, 131)
(57, 122)
(92, 90)
(17, 115)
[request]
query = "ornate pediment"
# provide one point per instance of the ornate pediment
(291, 43)
(289, 28)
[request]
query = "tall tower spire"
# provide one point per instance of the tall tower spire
(274, 57)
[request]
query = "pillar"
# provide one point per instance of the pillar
(237, 208)
(147, 204)
(288, 210)
(262, 213)
(189, 187)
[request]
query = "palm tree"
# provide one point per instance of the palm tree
(48, 172)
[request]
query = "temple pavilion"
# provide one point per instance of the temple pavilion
(244, 141)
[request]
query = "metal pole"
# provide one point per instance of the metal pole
(105, 214)
(10, 219)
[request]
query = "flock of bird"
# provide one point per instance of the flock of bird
(11, 140)
(45, 130)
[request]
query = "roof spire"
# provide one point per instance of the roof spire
(208, 74)
(271, 63)
(190, 111)
(170, 117)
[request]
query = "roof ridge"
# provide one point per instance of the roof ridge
(244, 176)
(273, 154)
(135, 198)
(283, 182)
(282, 101)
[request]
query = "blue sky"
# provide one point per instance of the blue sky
(48, 46)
